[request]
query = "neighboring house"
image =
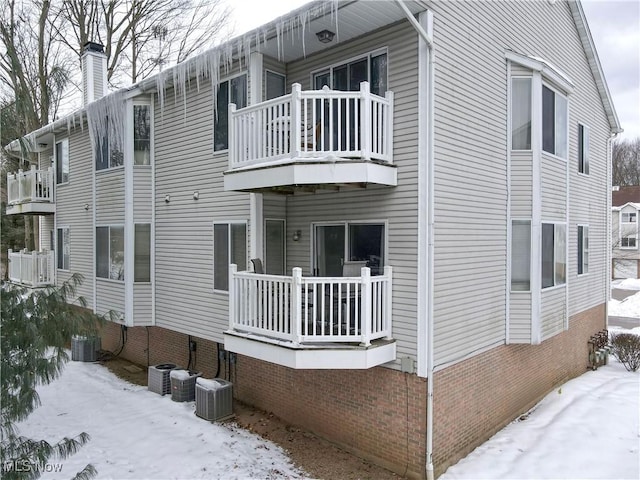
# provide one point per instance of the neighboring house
(426, 185)
(625, 256)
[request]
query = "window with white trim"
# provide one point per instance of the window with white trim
(233, 90)
(583, 249)
(62, 161)
(229, 246)
(275, 85)
(105, 153)
(141, 135)
(554, 254)
(371, 68)
(520, 113)
(554, 122)
(110, 252)
(583, 149)
(63, 248)
(521, 255)
(629, 217)
(629, 227)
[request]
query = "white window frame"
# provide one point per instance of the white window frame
(556, 225)
(228, 223)
(133, 140)
(218, 107)
(60, 248)
(109, 227)
(521, 220)
(583, 256)
(62, 164)
(511, 106)
(626, 227)
(583, 149)
(555, 133)
(110, 152)
(268, 72)
(135, 252)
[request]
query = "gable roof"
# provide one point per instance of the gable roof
(624, 195)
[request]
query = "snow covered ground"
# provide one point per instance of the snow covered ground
(630, 306)
(587, 429)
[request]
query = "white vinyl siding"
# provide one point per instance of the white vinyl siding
(520, 317)
(521, 184)
(109, 297)
(142, 195)
(553, 308)
(110, 197)
(142, 304)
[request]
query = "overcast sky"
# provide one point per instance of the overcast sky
(614, 25)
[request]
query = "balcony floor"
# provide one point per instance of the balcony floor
(33, 208)
(309, 175)
(322, 356)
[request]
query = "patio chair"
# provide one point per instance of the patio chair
(257, 265)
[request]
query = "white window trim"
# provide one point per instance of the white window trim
(111, 225)
(213, 262)
(55, 155)
(627, 224)
(522, 219)
(264, 245)
(587, 129)
(584, 250)
(146, 103)
(62, 227)
(367, 55)
(556, 91)
(566, 261)
(215, 93)
(510, 110)
(273, 72)
(134, 252)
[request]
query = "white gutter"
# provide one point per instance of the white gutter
(426, 21)
(608, 243)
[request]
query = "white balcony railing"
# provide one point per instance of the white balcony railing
(307, 310)
(30, 186)
(316, 124)
(35, 269)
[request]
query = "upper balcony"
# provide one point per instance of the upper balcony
(30, 192)
(31, 269)
(310, 140)
(311, 322)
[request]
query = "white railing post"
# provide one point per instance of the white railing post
(295, 126)
(34, 268)
(388, 299)
(20, 192)
(11, 265)
(50, 184)
(234, 154)
(365, 306)
(233, 269)
(365, 129)
(296, 304)
(31, 182)
(388, 137)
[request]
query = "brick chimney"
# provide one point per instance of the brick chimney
(94, 72)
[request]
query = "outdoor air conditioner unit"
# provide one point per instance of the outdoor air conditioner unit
(214, 399)
(158, 379)
(183, 385)
(84, 349)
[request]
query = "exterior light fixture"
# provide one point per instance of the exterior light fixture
(167, 198)
(325, 36)
(196, 195)
(86, 206)
(296, 235)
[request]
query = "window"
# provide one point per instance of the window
(229, 246)
(583, 149)
(142, 253)
(554, 123)
(274, 247)
(106, 155)
(230, 91)
(141, 135)
(347, 77)
(521, 114)
(554, 265)
(629, 217)
(62, 161)
(628, 242)
(110, 252)
(275, 85)
(583, 249)
(521, 255)
(63, 248)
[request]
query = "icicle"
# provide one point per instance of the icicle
(106, 118)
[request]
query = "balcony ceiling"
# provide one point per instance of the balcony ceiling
(354, 18)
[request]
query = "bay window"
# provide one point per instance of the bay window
(554, 263)
(110, 252)
(233, 90)
(554, 122)
(229, 246)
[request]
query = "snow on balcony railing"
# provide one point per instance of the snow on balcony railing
(307, 310)
(30, 186)
(314, 124)
(35, 269)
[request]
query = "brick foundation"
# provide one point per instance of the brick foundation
(380, 414)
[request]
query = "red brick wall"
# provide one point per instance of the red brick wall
(380, 414)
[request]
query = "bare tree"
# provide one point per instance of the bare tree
(626, 162)
(141, 35)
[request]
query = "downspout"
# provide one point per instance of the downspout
(608, 243)
(428, 40)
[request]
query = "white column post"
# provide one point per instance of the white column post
(296, 304)
(388, 136)
(388, 301)
(19, 178)
(233, 269)
(365, 306)
(231, 140)
(295, 126)
(365, 120)
(31, 181)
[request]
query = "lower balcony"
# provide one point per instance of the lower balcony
(311, 322)
(312, 140)
(32, 269)
(30, 192)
